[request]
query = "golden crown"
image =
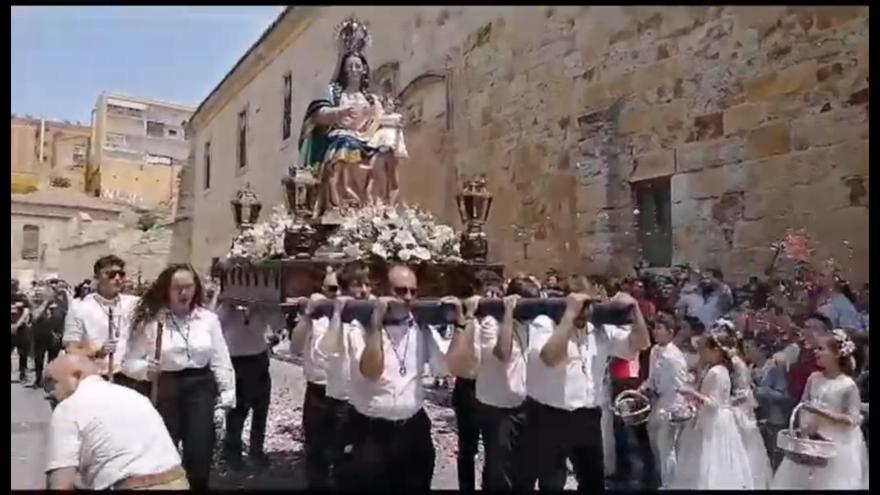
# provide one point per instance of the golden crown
(352, 36)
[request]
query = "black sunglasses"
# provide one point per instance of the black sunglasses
(404, 291)
(115, 273)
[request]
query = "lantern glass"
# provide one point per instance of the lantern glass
(246, 207)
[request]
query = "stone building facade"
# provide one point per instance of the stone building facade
(608, 134)
(139, 150)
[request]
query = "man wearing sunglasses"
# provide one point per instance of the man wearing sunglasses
(318, 424)
(99, 325)
(392, 448)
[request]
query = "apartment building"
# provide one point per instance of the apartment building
(139, 150)
(47, 152)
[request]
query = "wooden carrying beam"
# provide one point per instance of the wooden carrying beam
(431, 311)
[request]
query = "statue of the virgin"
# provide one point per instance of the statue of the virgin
(349, 127)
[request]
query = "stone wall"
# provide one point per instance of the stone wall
(758, 114)
(751, 112)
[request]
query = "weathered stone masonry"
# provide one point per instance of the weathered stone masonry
(758, 114)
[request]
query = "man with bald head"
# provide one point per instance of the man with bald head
(109, 436)
(392, 447)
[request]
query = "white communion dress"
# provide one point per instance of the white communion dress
(711, 455)
(848, 470)
(744, 405)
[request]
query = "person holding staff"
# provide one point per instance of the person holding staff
(98, 326)
(194, 367)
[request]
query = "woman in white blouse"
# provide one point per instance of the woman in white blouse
(194, 367)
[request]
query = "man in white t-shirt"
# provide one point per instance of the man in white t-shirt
(565, 383)
(99, 325)
(318, 423)
(355, 283)
(107, 435)
(393, 449)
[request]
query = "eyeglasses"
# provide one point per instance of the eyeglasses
(404, 291)
(111, 274)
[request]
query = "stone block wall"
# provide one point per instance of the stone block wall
(758, 114)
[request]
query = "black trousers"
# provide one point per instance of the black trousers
(632, 446)
(465, 405)
(392, 455)
(319, 431)
(552, 435)
(502, 431)
(186, 403)
(21, 341)
(343, 441)
(253, 389)
(46, 348)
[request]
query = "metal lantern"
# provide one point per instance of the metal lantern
(474, 204)
(301, 192)
(246, 207)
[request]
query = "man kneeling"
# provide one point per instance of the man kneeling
(109, 436)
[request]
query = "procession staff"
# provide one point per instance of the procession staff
(318, 423)
(108, 436)
(355, 283)
(393, 447)
(194, 364)
(501, 391)
(245, 334)
(89, 323)
(565, 370)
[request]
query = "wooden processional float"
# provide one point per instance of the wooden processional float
(280, 286)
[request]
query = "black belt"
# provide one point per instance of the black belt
(188, 372)
(395, 423)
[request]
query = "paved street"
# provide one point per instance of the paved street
(30, 417)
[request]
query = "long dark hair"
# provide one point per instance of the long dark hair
(155, 298)
(338, 83)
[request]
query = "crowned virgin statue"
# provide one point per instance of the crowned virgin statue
(351, 127)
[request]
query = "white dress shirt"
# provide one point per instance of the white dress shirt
(245, 333)
(579, 380)
(89, 320)
(192, 343)
(339, 365)
(395, 396)
(314, 361)
(500, 384)
(108, 433)
(667, 373)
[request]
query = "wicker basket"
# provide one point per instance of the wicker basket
(801, 450)
(680, 414)
(632, 407)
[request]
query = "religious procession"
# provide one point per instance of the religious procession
(425, 360)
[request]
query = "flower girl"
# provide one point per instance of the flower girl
(832, 406)
(713, 457)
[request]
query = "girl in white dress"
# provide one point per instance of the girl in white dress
(832, 411)
(744, 405)
(718, 459)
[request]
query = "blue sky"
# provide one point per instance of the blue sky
(64, 57)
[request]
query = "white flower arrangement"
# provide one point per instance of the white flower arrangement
(266, 239)
(404, 233)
